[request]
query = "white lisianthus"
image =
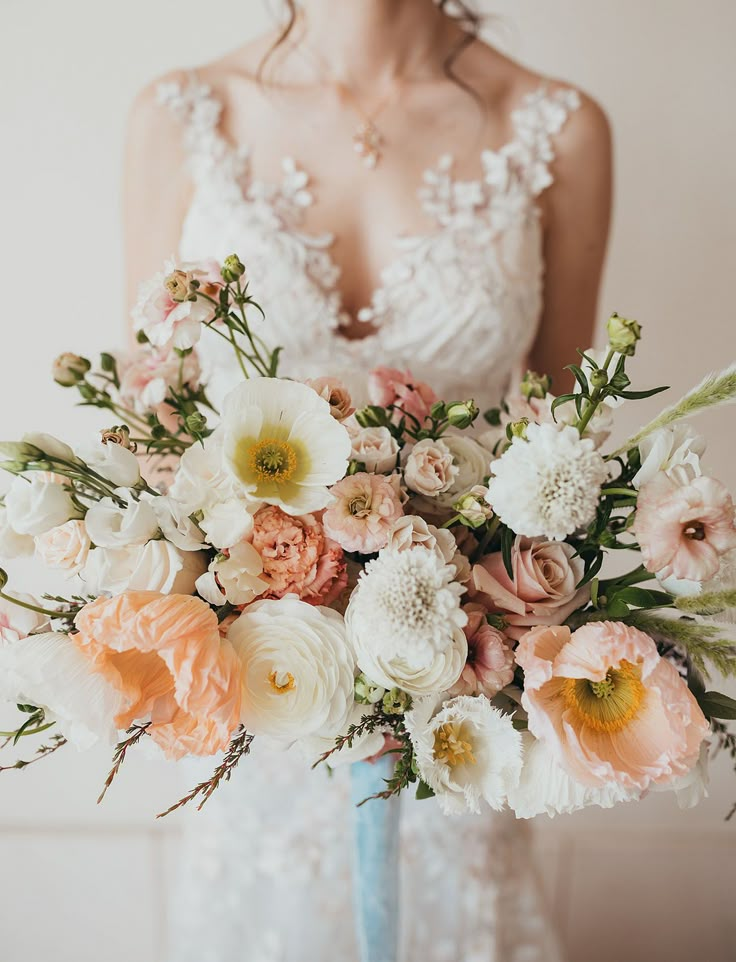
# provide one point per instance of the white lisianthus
(110, 525)
(34, 505)
(51, 446)
(17, 623)
(65, 547)
(282, 444)
(545, 788)
(430, 468)
(156, 566)
(467, 752)
(669, 448)
(472, 461)
(227, 523)
(548, 485)
(175, 522)
(376, 448)
(49, 671)
(234, 577)
(114, 462)
(202, 478)
(12, 544)
(298, 671)
(405, 622)
(363, 746)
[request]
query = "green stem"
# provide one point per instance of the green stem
(595, 398)
(490, 531)
(67, 616)
(28, 731)
(620, 492)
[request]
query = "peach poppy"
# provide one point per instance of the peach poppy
(165, 655)
(611, 709)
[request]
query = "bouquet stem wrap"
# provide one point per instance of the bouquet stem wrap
(376, 862)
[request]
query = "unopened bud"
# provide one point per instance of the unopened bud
(371, 416)
(396, 702)
(438, 411)
(119, 434)
(68, 369)
(195, 423)
(461, 414)
(598, 378)
(368, 692)
(623, 334)
(232, 269)
(517, 429)
(535, 385)
(20, 451)
(473, 508)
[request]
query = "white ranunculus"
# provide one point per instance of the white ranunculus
(472, 461)
(376, 448)
(12, 544)
(668, 448)
(156, 566)
(234, 578)
(34, 505)
(545, 788)
(363, 746)
(227, 522)
(175, 522)
(114, 462)
(110, 525)
(65, 547)
(298, 671)
(50, 672)
(17, 623)
(467, 752)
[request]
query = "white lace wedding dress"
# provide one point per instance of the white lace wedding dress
(264, 873)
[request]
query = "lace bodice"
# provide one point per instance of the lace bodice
(470, 286)
(265, 872)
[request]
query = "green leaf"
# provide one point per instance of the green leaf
(562, 399)
(716, 705)
(424, 791)
(641, 598)
(507, 543)
(639, 395)
(592, 569)
(579, 377)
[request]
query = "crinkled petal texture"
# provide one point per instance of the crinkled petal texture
(607, 705)
(164, 654)
(298, 669)
(282, 444)
(467, 752)
(49, 671)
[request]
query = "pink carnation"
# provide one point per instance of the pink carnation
(683, 529)
(365, 508)
(388, 386)
(297, 557)
(490, 664)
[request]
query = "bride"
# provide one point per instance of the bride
(402, 194)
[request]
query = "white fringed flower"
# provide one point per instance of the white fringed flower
(298, 671)
(545, 788)
(548, 485)
(407, 605)
(467, 752)
(50, 672)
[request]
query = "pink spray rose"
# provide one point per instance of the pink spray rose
(430, 468)
(490, 664)
(297, 557)
(335, 393)
(388, 386)
(164, 311)
(683, 529)
(365, 507)
(145, 378)
(542, 591)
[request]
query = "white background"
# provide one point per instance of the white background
(645, 883)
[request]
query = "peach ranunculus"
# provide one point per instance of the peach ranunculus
(542, 591)
(297, 557)
(388, 386)
(66, 546)
(165, 655)
(683, 529)
(336, 394)
(364, 509)
(610, 708)
(490, 664)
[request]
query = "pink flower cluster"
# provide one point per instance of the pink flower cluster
(390, 387)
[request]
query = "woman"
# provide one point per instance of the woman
(453, 220)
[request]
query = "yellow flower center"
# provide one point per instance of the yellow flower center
(281, 681)
(608, 705)
(272, 460)
(452, 745)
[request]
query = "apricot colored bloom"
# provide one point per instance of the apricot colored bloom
(607, 705)
(364, 509)
(683, 529)
(164, 654)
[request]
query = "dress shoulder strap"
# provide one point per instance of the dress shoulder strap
(537, 121)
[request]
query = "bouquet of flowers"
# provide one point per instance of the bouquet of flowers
(408, 579)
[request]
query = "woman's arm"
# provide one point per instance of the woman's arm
(577, 212)
(157, 189)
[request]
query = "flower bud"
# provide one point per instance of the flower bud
(461, 414)
(598, 378)
(371, 416)
(14, 467)
(396, 702)
(179, 286)
(20, 451)
(3, 578)
(498, 622)
(367, 692)
(623, 334)
(68, 369)
(473, 508)
(517, 429)
(535, 385)
(119, 434)
(438, 410)
(107, 362)
(232, 269)
(195, 423)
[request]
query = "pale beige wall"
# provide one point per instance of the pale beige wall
(665, 71)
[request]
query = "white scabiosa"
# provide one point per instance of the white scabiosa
(405, 621)
(548, 485)
(467, 752)
(298, 671)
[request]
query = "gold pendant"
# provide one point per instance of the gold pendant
(367, 143)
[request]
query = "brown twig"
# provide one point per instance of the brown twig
(135, 733)
(57, 742)
(239, 747)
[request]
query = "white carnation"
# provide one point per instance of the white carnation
(466, 752)
(549, 485)
(298, 671)
(34, 506)
(111, 525)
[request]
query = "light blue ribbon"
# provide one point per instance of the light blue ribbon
(376, 862)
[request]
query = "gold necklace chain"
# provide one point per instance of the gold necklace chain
(368, 141)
